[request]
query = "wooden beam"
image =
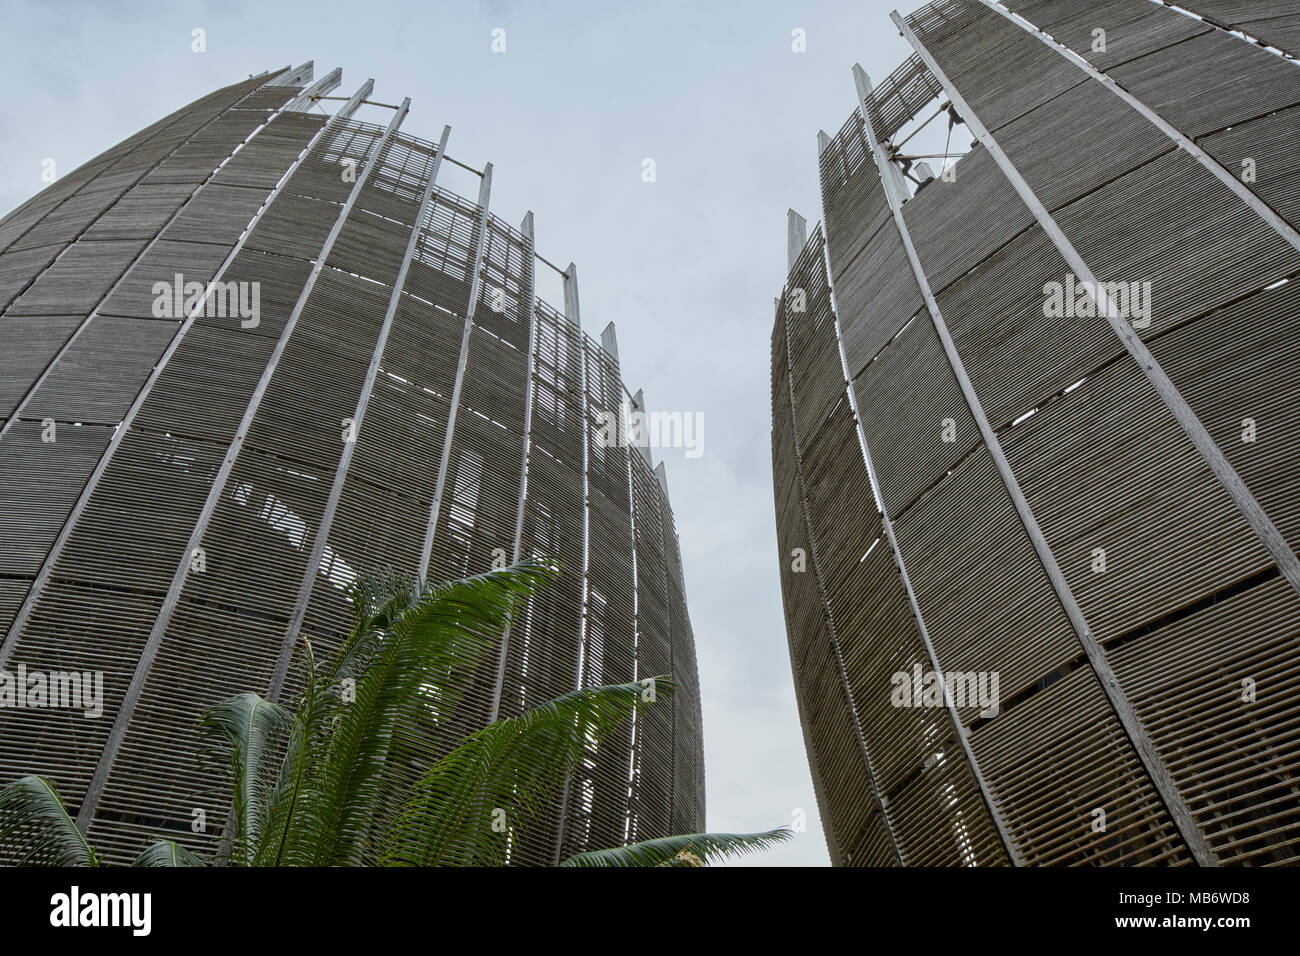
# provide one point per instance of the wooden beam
(326, 523)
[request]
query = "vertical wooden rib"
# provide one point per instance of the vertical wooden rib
(326, 523)
(476, 264)
(516, 548)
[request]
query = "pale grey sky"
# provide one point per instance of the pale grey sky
(686, 266)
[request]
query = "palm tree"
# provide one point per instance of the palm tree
(342, 778)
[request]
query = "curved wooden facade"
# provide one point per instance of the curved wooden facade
(402, 399)
(953, 461)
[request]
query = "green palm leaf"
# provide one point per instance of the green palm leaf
(406, 664)
(251, 732)
(35, 829)
(504, 774)
(167, 853)
(682, 850)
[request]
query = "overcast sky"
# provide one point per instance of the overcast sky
(686, 266)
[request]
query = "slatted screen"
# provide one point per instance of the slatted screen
(903, 766)
(1276, 22)
(1187, 605)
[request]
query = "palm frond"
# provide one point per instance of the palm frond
(309, 724)
(683, 850)
(251, 732)
(408, 661)
(505, 773)
(35, 829)
(167, 853)
(378, 598)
